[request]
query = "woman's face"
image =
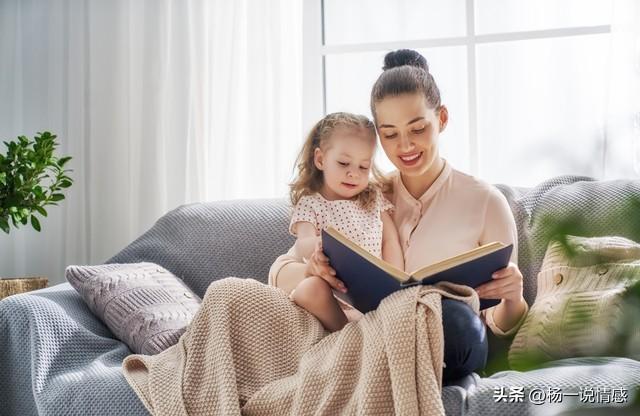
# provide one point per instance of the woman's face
(408, 131)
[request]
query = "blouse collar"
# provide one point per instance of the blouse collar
(431, 191)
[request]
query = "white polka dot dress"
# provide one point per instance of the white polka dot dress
(363, 226)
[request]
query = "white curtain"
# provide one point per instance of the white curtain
(623, 104)
(159, 102)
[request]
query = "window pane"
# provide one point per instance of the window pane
(541, 108)
(364, 21)
(495, 16)
(350, 77)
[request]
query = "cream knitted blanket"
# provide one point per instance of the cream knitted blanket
(249, 350)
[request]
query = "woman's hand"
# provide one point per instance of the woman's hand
(318, 265)
(506, 284)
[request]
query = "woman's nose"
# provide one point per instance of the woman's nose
(404, 144)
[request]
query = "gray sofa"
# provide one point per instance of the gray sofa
(57, 358)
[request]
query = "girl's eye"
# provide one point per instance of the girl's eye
(364, 168)
(419, 131)
(343, 163)
(390, 136)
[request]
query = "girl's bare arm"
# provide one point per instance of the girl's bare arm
(307, 238)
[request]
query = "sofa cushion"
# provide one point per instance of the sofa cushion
(581, 302)
(143, 304)
(204, 242)
(568, 204)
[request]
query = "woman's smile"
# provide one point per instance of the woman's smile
(411, 159)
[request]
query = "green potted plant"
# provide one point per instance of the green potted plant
(31, 177)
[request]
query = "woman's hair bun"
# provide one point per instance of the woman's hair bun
(404, 57)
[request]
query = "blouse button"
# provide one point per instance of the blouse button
(557, 278)
(601, 270)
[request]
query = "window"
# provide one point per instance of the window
(523, 81)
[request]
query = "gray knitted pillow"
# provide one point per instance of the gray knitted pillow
(144, 305)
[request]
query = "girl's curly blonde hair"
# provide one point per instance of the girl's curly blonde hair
(309, 178)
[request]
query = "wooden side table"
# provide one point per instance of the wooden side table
(12, 286)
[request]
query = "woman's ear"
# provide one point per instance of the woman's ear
(318, 158)
(443, 116)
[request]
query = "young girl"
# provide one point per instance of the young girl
(333, 188)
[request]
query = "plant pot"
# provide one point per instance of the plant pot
(14, 285)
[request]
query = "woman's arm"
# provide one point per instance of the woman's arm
(287, 271)
(391, 249)
(505, 318)
(290, 269)
(507, 286)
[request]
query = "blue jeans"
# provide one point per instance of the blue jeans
(465, 340)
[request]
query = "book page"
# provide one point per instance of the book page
(392, 271)
(461, 258)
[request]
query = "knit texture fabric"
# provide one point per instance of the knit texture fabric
(144, 305)
(52, 347)
(575, 205)
(230, 359)
(204, 242)
(579, 300)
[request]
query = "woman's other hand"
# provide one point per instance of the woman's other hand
(318, 265)
(506, 284)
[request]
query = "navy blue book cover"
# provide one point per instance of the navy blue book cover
(367, 284)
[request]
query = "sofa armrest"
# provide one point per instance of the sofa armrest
(56, 357)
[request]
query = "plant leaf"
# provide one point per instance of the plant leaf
(35, 223)
(4, 224)
(37, 190)
(63, 160)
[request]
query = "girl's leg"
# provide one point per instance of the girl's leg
(465, 340)
(314, 294)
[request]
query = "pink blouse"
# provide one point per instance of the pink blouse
(457, 213)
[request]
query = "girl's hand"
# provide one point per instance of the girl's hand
(318, 265)
(506, 284)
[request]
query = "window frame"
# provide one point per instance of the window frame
(315, 50)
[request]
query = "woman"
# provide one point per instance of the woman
(439, 212)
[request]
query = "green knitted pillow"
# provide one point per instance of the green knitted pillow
(588, 294)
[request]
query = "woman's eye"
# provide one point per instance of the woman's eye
(390, 136)
(419, 131)
(364, 168)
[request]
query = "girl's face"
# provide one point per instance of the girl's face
(409, 131)
(345, 163)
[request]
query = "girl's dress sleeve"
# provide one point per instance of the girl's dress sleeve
(383, 203)
(304, 211)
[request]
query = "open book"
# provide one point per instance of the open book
(370, 279)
